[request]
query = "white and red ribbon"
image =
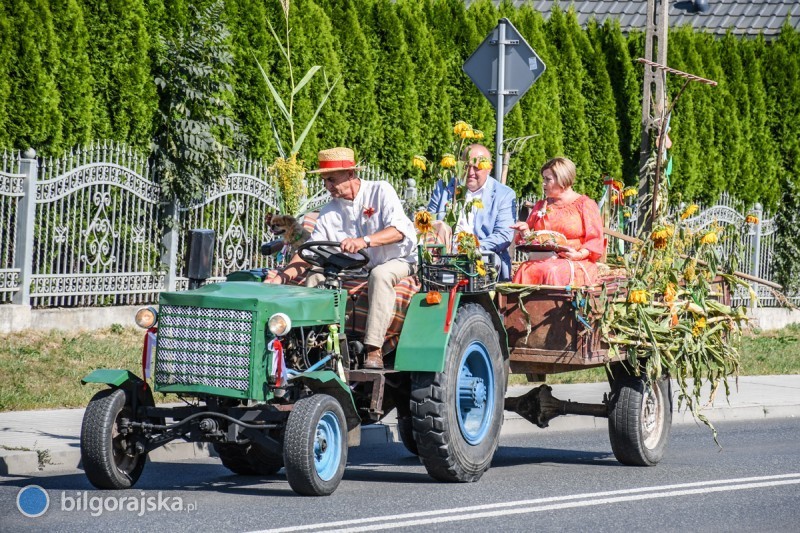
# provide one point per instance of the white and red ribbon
(278, 363)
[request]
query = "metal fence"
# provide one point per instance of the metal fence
(92, 228)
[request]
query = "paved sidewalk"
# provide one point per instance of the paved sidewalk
(32, 441)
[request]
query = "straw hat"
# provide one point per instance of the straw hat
(334, 159)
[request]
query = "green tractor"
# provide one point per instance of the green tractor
(272, 378)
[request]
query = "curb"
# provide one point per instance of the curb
(25, 462)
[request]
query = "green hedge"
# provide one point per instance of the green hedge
(75, 70)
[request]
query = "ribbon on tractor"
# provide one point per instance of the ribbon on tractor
(278, 363)
(147, 352)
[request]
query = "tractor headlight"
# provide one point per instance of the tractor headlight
(146, 317)
(279, 324)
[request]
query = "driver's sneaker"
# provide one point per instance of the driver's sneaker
(374, 359)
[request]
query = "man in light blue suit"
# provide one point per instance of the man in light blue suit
(492, 224)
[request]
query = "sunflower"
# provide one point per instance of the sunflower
(448, 161)
(699, 326)
(423, 221)
(477, 203)
(670, 293)
(638, 296)
(480, 268)
(466, 242)
(460, 127)
(710, 238)
(419, 162)
(689, 272)
(629, 191)
(484, 164)
(689, 211)
(751, 219)
(478, 134)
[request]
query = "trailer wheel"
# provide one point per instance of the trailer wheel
(639, 420)
(457, 414)
(248, 460)
(315, 445)
(108, 456)
(405, 428)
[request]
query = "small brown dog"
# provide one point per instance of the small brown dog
(291, 231)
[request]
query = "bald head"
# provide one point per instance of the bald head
(473, 154)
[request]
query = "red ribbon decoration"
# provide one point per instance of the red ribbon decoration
(338, 163)
(449, 317)
(147, 351)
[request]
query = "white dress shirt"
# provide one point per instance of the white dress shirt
(375, 207)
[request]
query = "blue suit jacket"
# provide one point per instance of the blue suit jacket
(492, 223)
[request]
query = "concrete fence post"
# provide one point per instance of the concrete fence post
(755, 264)
(169, 243)
(26, 216)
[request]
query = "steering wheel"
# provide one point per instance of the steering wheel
(319, 253)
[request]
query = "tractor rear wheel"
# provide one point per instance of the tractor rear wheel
(457, 413)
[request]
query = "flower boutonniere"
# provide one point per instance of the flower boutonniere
(369, 211)
(542, 212)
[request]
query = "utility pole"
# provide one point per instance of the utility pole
(654, 94)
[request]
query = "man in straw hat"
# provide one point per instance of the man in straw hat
(363, 215)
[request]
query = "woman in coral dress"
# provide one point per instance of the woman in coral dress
(574, 215)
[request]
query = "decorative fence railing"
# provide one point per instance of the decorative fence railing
(92, 228)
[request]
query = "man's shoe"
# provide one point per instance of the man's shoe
(374, 360)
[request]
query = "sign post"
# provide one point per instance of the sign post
(503, 74)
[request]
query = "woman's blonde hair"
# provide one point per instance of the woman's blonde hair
(564, 170)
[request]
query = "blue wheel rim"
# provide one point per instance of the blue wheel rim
(327, 446)
(475, 393)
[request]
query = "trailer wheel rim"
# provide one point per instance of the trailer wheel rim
(652, 417)
(475, 393)
(327, 446)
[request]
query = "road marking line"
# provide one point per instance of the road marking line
(538, 501)
(565, 505)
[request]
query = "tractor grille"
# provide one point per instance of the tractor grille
(198, 346)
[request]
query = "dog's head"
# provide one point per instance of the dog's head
(281, 224)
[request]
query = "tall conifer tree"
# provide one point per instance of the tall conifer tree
(761, 162)
(6, 56)
(74, 75)
(601, 109)
(395, 93)
(627, 92)
(429, 73)
(317, 45)
(34, 117)
(541, 109)
(363, 131)
(119, 50)
(251, 41)
(570, 76)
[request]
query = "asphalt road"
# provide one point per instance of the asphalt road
(544, 481)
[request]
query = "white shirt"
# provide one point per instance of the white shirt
(466, 221)
(375, 207)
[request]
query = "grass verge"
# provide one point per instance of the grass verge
(42, 370)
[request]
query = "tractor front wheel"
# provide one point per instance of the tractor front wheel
(315, 445)
(108, 453)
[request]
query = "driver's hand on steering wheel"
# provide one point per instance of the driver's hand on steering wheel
(275, 277)
(352, 245)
